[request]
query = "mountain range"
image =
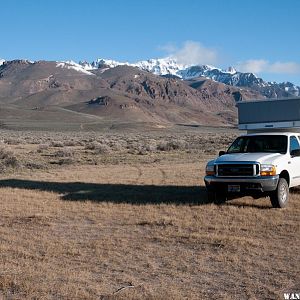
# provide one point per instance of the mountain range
(170, 67)
(157, 92)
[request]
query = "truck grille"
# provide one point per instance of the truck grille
(237, 170)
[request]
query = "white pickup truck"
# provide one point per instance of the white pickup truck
(256, 164)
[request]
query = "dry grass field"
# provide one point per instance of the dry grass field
(125, 216)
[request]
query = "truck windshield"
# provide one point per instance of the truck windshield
(259, 143)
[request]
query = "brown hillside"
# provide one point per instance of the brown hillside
(132, 95)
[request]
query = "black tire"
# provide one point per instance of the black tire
(211, 195)
(220, 198)
(280, 197)
(216, 197)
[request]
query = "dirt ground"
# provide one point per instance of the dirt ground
(84, 221)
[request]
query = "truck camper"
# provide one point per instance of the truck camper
(265, 161)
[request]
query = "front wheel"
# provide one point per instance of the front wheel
(215, 196)
(280, 197)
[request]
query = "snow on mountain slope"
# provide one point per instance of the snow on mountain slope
(169, 66)
(161, 66)
(100, 62)
(72, 65)
(230, 76)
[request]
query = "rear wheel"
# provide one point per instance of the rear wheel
(280, 197)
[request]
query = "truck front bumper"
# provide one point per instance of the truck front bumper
(247, 185)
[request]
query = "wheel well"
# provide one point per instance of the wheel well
(284, 174)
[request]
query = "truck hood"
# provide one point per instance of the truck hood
(263, 158)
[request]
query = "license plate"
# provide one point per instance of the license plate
(234, 188)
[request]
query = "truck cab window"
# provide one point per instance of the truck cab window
(259, 143)
(294, 144)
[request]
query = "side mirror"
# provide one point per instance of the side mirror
(222, 153)
(295, 153)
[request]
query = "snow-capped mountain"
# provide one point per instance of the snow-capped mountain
(159, 66)
(128, 92)
(100, 62)
(169, 66)
(73, 65)
(162, 66)
(229, 76)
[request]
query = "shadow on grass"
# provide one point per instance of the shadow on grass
(126, 193)
(116, 193)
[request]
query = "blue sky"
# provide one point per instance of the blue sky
(258, 35)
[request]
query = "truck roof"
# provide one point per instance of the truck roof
(268, 100)
(288, 133)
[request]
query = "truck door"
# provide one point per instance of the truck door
(295, 162)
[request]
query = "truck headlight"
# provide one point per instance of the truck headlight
(210, 170)
(267, 170)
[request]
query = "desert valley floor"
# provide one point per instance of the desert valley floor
(89, 215)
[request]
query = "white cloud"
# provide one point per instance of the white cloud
(285, 67)
(192, 53)
(252, 65)
(261, 65)
(169, 48)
